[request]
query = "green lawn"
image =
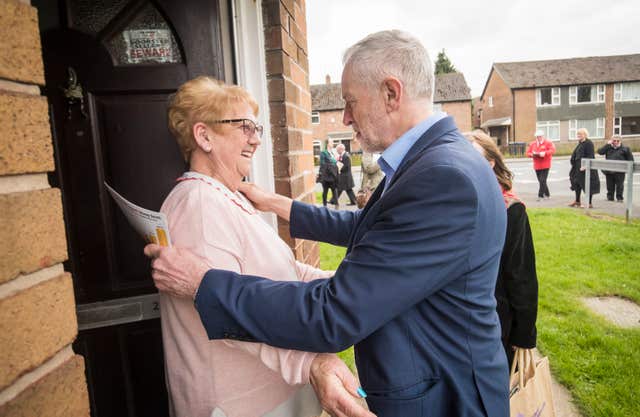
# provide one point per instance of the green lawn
(580, 256)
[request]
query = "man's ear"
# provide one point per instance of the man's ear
(201, 134)
(392, 90)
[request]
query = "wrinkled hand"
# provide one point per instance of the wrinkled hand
(336, 387)
(256, 195)
(176, 271)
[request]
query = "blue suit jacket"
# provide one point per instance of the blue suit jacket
(415, 292)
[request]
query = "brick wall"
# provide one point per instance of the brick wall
(39, 373)
(290, 106)
(461, 113)
(502, 99)
(524, 119)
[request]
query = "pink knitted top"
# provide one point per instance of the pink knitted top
(223, 377)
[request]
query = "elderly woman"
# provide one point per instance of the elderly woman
(517, 284)
(215, 126)
(584, 149)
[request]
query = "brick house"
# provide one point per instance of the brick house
(601, 94)
(82, 100)
(327, 106)
(452, 95)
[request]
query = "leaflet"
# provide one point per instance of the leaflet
(151, 225)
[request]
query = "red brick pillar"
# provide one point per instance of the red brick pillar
(39, 373)
(290, 108)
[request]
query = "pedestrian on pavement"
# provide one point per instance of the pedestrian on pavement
(328, 173)
(614, 150)
(584, 149)
(345, 177)
(517, 285)
(541, 150)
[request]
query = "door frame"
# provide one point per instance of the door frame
(251, 73)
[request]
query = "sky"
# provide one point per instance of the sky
(475, 34)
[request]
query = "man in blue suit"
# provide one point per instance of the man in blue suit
(415, 291)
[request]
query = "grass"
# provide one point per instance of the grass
(580, 256)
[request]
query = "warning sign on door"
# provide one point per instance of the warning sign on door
(148, 45)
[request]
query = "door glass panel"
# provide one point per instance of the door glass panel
(91, 16)
(147, 39)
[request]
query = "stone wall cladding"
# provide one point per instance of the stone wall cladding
(35, 324)
(60, 393)
(287, 64)
(33, 232)
(25, 138)
(20, 50)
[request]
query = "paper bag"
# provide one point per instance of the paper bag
(530, 386)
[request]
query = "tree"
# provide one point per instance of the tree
(443, 65)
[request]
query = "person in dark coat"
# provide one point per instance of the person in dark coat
(584, 149)
(517, 284)
(328, 173)
(614, 150)
(345, 177)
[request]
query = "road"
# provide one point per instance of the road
(526, 187)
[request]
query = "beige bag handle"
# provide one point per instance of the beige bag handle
(525, 361)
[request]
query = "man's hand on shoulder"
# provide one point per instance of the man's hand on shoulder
(176, 271)
(336, 387)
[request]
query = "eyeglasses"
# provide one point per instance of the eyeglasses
(249, 127)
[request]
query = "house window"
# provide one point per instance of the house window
(600, 93)
(548, 97)
(626, 126)
(551, 129)
(586, 94)
(626, 92)
(595, 127)
(315, 117)
(490, 101)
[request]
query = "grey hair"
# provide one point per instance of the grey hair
(392, 53)
(585, 131)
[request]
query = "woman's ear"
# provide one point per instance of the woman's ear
(201, 134)
(492, 163)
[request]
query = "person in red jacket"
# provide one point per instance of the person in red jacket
(541, 150)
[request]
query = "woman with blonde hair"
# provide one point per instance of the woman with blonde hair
(217, 131)
(584, 149)
(517, 283)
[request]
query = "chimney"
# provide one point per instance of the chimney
(327, 79)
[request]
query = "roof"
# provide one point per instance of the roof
(572, 71)
(451, 87)
(326, 97)
(448, 87)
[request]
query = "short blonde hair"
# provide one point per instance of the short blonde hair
(585, 131)
(203, 99)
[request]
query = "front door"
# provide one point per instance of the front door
(110, 68)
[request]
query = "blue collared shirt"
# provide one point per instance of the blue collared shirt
(391, 158)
